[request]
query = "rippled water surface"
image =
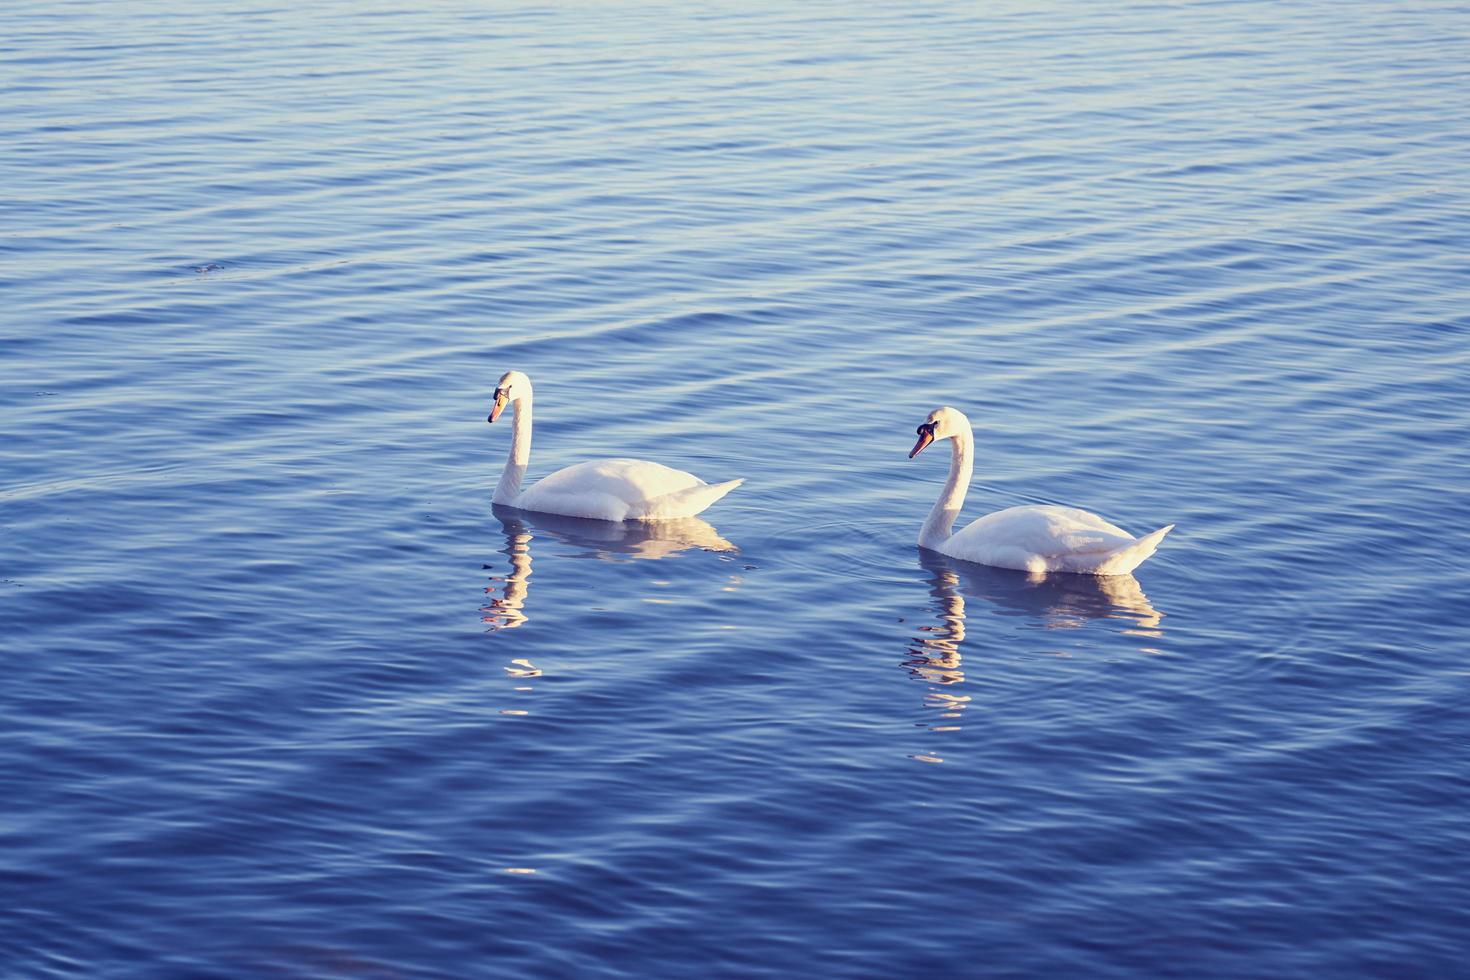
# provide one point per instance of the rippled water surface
(284, 696)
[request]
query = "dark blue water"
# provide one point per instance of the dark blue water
(282, 696)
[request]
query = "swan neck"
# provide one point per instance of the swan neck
(519, 458)
(941, 519)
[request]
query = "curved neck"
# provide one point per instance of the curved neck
(520, 451)
(952, 497)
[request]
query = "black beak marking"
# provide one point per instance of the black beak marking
(925, 433)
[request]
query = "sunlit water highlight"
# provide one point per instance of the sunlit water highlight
(285, 696)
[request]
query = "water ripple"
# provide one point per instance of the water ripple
(285, 694)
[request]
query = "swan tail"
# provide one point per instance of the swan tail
(683, 503)
(1131, 555)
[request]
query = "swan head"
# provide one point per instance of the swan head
(512, 386)
(942, 423)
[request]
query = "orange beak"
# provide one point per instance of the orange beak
(926, 436)
(500, 402)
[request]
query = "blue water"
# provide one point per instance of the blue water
(283, 696)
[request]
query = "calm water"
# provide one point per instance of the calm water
(283, 696)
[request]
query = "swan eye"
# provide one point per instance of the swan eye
(926, 427)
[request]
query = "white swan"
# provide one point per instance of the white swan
(1036, 538)
(600, 489)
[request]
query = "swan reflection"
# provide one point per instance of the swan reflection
(505, 601)
(1057, 601)
(503, 611)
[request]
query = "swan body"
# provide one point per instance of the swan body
(1047, 538)
(621, 490)
(600, 489)
(1036, 538)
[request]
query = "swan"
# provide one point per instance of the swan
(599, 489)
(1036, 538)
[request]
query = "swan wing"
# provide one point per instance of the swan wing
(1045, 529)
(1038, 538)
(682, 503)
(605, 489)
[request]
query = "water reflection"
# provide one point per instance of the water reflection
(503, 611)
(1057, 601)
(505, 601)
